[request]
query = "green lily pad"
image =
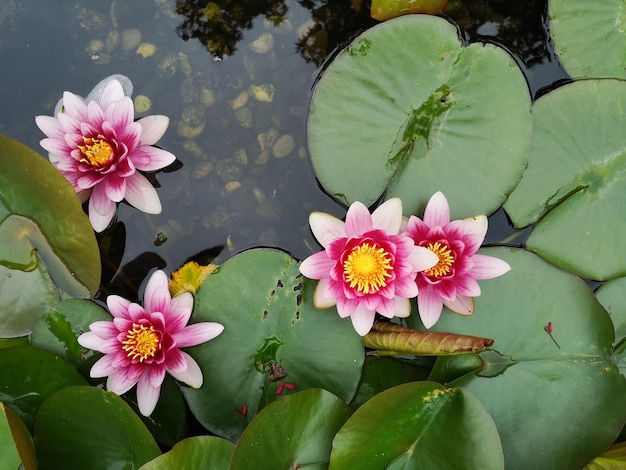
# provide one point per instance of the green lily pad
(16, 443)
(381, 373)
(86, 427)
(208, 452)
(580, 29)
(419, 425)
(43, 228)
(296, 431)
(25, 296)
(58, 330)
(557, 401)
(575, 183)
(407, 108)
(29, 376)
(272, 334)
(611, 296)
(8, 450)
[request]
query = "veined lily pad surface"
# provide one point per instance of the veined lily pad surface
(589, 37)
(557, 401)
(575, 183)
(408, 109)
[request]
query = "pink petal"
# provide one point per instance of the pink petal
(180, 311)
(191, 375)
(49, 126)
(405, 287)
(74, 107)
(112, 92)
(317, 266)
(320, 298)
(437, 212)
(122, 381)
(326, 227)
(153, 128)
(197, 333)
(141, 194)
(488, 267)
(120, 115)
(462, 305)
(429, 305)
(358, 220)
(422, 258)
(115, 188)
(90, 340)
(101, 209)
(156, 297)
(362, 320)
(118, 306)
(87, 180)
(466, 285)
(346, 307)
(147, 395)
(104, 329)
(148, 158)
(102, 367)
(388, 216)
(56, 147)
(387, 307)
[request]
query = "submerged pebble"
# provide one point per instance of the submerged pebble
(283, 146)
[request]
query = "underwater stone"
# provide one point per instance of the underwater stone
(130, 39)
(142, 104)
(283, 146)
(263, 92)
(146, 49)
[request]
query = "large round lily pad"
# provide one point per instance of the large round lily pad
(589, 37)
(274, 341)
(419, 425)
(557, 401)
(407, 107)
(294, 432)
(86, 427)
(575, 183)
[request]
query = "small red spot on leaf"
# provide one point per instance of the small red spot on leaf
(243, 412)
(286, 385)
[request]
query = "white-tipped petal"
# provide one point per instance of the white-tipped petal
(326, 227)
(388, 216)
(437, 212)
(476, 225)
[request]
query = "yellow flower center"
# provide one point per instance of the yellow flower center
(141, 342)
(446, 260)
(367, 268)
(97, 152)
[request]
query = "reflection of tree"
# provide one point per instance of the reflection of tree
(334, 23)
(518, 26)
(219, 25)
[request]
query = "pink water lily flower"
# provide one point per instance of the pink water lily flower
(452, 281)
(141, 344)
(366, 265)
(98, 147)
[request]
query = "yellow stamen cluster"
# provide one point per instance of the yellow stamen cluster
(367, 268)
(141, 343)
(446, 260)
(97, 152)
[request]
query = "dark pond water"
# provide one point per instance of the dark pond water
(209, 66)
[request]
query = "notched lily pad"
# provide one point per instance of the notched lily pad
(274, 341)
(575, 183)
(415, 112)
